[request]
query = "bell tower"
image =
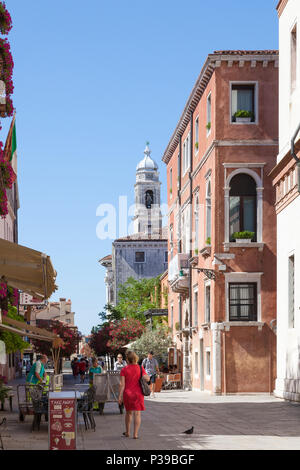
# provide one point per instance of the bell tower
(147, 216)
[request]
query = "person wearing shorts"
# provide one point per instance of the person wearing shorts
(150, 365)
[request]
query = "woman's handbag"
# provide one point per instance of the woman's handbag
(145, 387)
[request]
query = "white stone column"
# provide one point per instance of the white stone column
(216, 357)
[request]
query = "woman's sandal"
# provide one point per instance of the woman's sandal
(135, 437)
(125, 434)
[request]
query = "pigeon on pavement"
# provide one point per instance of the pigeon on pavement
(189, 431)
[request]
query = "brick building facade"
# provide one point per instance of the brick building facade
(222, 302)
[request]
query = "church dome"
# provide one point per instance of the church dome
(147, 163)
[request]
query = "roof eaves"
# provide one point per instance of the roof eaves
(200, 86)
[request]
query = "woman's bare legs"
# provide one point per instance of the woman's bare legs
(137, 423)
(128, 418)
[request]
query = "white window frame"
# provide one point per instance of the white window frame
(208, 376)
(196, 217)
(196, 134)
(259, 203)
(195, 291)
(293, 84)
(291, 315)
(207, 284)
(186, 154)
(208, 185)
(256, 94)
(248, 278)
(196, 363)
(208, 100)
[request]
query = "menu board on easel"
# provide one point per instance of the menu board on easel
(62, 421)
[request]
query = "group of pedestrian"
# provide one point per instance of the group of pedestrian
(86, 368)
(80, 367)
(130, 391)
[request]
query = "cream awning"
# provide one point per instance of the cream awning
(23, 329)
(28, 270)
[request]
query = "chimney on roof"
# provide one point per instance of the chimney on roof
(62, 306)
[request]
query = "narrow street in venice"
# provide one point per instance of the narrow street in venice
(249, 422)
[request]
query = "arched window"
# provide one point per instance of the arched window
(242, 205)
(208, 212)
(196, 212)
(149, 199)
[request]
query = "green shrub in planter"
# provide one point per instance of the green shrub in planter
(208, 126)
(246, 234)
(208, 241)
(243, 114)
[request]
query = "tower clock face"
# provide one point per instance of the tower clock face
(148, 199)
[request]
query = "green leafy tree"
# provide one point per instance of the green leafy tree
(157, 340)
(136, 296)
(110, 314)
(13, 341)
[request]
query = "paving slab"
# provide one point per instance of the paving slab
(234, 422)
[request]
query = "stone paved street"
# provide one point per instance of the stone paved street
(256, 422)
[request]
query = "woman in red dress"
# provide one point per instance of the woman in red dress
(130, 393)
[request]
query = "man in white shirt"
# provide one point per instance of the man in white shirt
(150, 365)
(120, 363)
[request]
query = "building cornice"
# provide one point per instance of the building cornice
(281, 6)
(213, 60)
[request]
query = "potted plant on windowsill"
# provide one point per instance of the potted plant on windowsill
(208, 241)
(243, 116)
(208, 126)
(197, 146)
(243, 237)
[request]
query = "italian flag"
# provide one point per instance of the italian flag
(10, 149)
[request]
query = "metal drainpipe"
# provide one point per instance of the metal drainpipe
(295, 156)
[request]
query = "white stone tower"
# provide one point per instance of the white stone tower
(147, 216)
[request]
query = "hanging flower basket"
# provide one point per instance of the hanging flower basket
(5, 19)
(6, 73)
(8, 173)
(3, 203)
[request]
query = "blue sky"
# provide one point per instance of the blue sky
(93, 82)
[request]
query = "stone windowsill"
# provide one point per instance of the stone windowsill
(228, 245)
(229, 324)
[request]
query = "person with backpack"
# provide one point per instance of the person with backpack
(150, 365)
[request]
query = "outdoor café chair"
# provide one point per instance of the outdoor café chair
(39, 399)
(85, 406)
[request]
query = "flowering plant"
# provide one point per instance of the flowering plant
(123, 332)
(7, 65)
(8, 173)
(7, 178)
(3, 203)
(13, 296)
(5, 19)
(3, 289)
